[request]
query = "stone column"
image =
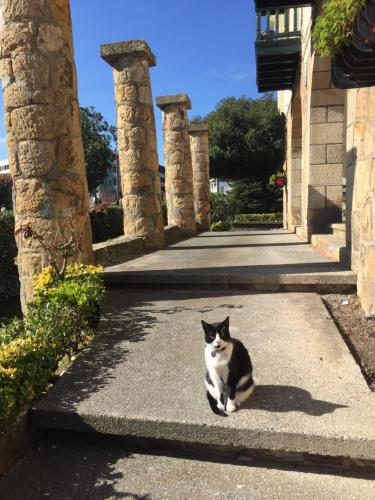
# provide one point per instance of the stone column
(178, 167)
(201, 174)
(43, 132)
(323, 151)
(138, 157)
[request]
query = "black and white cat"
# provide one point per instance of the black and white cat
(229, 377)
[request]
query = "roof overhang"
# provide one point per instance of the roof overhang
(269, 4)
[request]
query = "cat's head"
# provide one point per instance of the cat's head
(217, 334)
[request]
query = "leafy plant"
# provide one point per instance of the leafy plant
(107, 222)
(220, 226)
(6, 183)
(56, 324)
(333, 28)
(9, 284)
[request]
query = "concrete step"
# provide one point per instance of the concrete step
(321, 278)
(142, 377)
(96, 469)
(329, 246)
(339, 231)
(258, 260)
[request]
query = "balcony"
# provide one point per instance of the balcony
(277, 45)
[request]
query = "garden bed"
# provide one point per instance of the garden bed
(357, 331)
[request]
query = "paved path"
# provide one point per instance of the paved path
(77, 469)
(143, 375)
(242, 257)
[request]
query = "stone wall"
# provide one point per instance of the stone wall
(136, 134)
(360, 203)
(43, 131)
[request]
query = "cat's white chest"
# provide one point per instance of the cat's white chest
(217, 365)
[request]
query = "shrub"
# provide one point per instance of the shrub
(9, 284)
(6, 184)
(56, 324)
(106, 222)
(273, 217)
(333, 28)
(220, 226)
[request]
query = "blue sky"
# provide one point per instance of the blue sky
(203, 47)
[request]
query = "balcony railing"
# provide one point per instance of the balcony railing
(277, 47)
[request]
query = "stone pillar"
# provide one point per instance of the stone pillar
(323, 153)
(178, 167)
(201, 174)
(294, 164)
(138, 157)
(43, 132)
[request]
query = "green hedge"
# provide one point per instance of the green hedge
(9, 284)
(221, 226)
(273, 217)
(60, 320)
(106, 223)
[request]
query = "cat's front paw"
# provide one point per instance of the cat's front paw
(220, 406)
(231, 407)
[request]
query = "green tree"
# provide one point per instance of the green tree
(246, 139)
(247, 196)
(97, 136)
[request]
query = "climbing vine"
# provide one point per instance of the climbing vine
(333, 28)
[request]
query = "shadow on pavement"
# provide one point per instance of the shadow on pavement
(285, 398)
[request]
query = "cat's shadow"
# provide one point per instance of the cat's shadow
(285, 398)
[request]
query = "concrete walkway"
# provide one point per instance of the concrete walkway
(140, 384)
(143, 376)
(82, 469)
(262, 259)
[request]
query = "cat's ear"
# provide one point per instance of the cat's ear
(225, 323)
(206, 326)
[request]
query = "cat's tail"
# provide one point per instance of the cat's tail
(213, 406)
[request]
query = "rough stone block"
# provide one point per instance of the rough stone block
(327, 133)
(335, 153)
(17, 10)
(318, 154)
(50, 38)
(163, 101)
(34, 122)
(321, 80)
(322, 63)
(336, 113)
(35, 157)
(318, 115)
(326, 175)
(316, 197)
(29, 195)
(334, 196)
(198, 127)
(329, 97)
(32, 69)
(367, 221)
(112, 53)
(17, 37)
(16, 96)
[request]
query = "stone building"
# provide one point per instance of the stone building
(329, 198)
